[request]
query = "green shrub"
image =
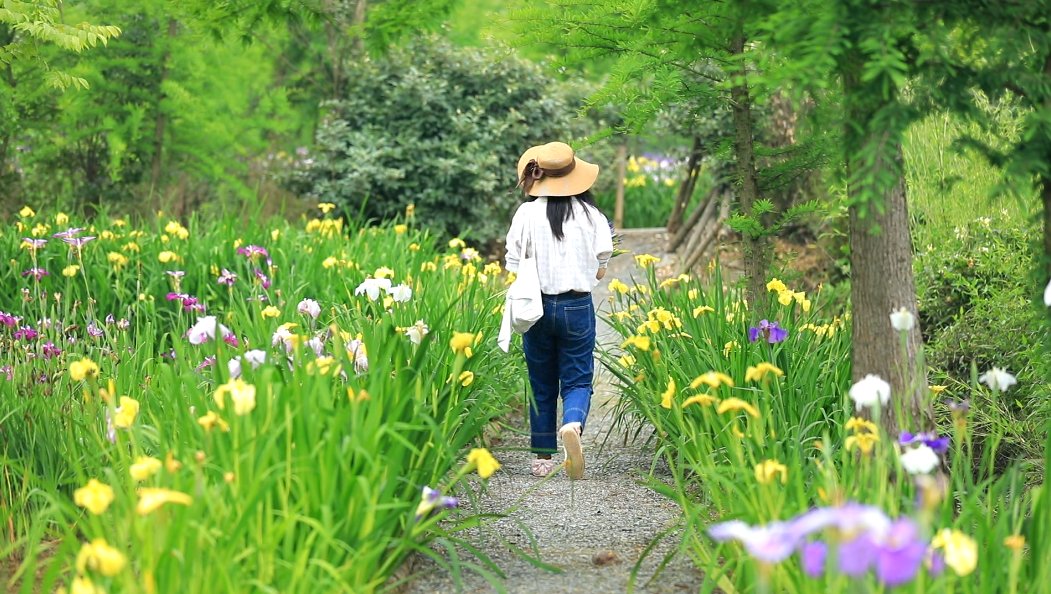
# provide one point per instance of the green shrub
(976, 308)
(438, 127)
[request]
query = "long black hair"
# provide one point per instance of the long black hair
(560, 210)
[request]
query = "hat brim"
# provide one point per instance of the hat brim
(576, 182)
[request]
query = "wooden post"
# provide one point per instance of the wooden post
(618, 205)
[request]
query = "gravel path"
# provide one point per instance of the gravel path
(595, 530)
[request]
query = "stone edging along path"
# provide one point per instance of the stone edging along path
(594, 531)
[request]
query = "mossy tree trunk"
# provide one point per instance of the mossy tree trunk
(756, 251)
(881, 259)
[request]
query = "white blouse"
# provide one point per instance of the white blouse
(567, 265)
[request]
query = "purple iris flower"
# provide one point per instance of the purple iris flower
(849, 518)
(207, 362)
(37, 273)
(231, 340)
(771, 332)
(188, 302)
(940, 444)
(958, 407)
(94, 330)
(935, 563)
(78, 242)
(26, 333)
(8, 372)
(50, 350)
(869, 540)
(68, 233)
(857, 555)
(253, 251)
(9, 320)
(192, 304)
(35, 243)
(227, 278)
(901, 554)
(771, 543)
(264, 279)
(432, 499)
(812, 556)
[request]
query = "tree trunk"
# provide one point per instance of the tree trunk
(782, 135)
(881, 278)
(756, 256)
(686, 188)
(1045, 182)
(359, 23)
(161, 122)
(618, 202)
(881, 282)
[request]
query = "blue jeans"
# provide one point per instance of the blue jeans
(559, 351)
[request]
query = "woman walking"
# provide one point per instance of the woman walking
(572, 243)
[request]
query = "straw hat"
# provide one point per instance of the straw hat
(552, 169)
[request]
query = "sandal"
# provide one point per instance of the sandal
(542, 467)
(574, 452)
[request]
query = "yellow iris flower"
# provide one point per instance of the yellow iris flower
(83, 369)
(466, 378)
(125, 414)
(99, 556)
(712, 379)
(735, 405)
(242, 394)
(701, 399)
(144, 467)
(666, 397)
(462, 342)
(645, 260)
(94, 496)
(483, 461)
(150, 500)
(767, 470)
(640, 342)
(960, 550)
(864, 442)
(758, 372)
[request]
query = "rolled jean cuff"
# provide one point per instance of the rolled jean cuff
(543, 443)
(575, 415)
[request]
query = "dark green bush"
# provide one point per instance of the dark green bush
(976, 307)
(439, 127)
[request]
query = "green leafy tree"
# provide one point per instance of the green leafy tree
(867, 54)
(698, 58)
(171, 114)
(665, 54)
(27, 27)
(437, 127)
(29, 32)
(1003, 51)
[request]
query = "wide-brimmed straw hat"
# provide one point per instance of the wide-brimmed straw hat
(553, 169)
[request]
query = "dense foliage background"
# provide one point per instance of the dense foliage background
(815, 117)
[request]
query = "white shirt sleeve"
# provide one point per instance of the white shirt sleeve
(513, 241)
(603, 239)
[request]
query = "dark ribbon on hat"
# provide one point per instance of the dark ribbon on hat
(533, 172)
